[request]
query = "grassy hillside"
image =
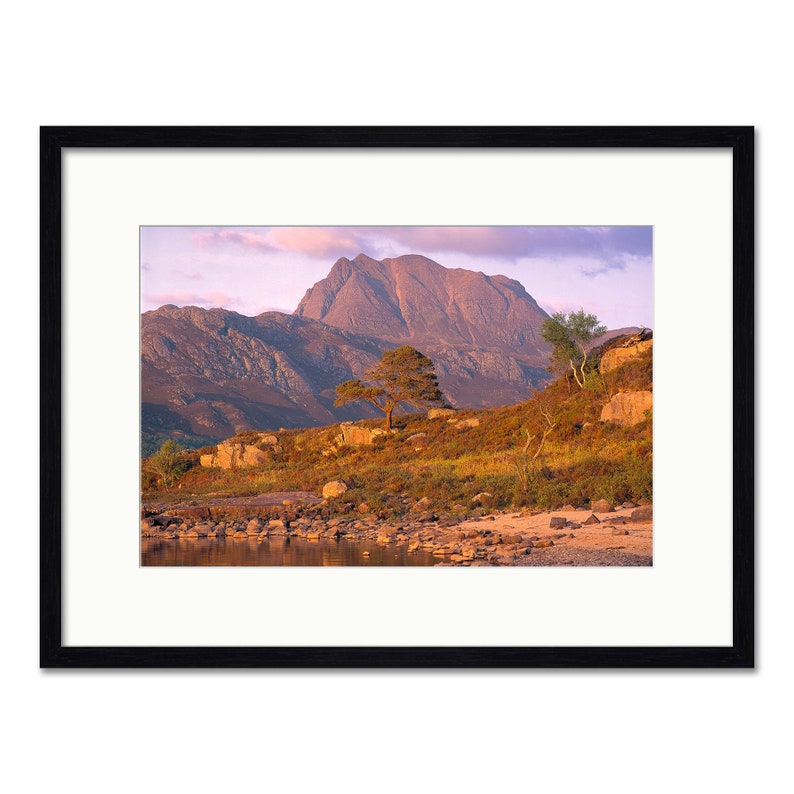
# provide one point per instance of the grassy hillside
(582, 459)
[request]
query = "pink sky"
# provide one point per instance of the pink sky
(606, 270)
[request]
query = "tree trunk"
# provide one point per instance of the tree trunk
(584, 361)
(388, 409)
(576, 375)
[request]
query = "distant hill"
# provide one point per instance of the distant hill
(208, 373)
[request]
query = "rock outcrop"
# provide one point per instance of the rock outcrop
(616, 356)
(627, 408)
(357, 435)
(236, 455)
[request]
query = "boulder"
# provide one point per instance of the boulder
(627, 408)
(484, 499)
(198, 531)
(591, 519)
(440, 413)
(557, 521)
(233, 455)
(426, 517)
(422, 504)
(463, 424)
(603, 506)
(355, 435)
(617, 356)
(644, 513)
(333, 489)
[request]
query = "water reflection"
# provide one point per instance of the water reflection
(277, 551)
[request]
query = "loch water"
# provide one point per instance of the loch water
(278, 551)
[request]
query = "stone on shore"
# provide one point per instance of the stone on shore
(333, 489)
(483, 499)
(644, 513)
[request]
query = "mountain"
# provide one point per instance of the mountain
(209, 373)
(482, 332)
(414, 300)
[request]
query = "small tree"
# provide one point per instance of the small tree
(167, 463)
(526, 462)
(569, 336)
(403, 375)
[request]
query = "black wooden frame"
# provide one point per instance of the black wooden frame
(739, 139)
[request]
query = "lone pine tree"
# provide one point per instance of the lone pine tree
(404, 375)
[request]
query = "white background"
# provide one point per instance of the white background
(416, 63)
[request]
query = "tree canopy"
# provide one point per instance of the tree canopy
(569, 335)
(403, 375)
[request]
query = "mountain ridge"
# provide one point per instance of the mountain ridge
(210, 373)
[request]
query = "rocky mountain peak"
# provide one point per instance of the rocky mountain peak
(411, 298)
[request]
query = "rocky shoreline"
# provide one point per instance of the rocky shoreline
(566, 537)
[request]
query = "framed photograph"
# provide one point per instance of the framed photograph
(397, 397)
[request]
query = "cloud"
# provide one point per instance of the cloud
(557, 304)
(601, 243)
(518, 242)
(316, 241)
(233, 237)
(603, 269)
(492, 241)
(196, 276)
